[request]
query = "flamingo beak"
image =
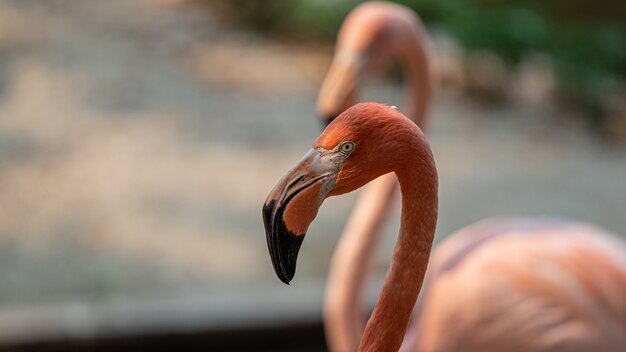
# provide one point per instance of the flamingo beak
(293, 204)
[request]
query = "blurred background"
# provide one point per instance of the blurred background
(139, 138)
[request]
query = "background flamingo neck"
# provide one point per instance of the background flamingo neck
(386, 327)
(415, 55)
(344, 313)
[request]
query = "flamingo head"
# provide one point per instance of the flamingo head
(364, 142)
(368, 38)
(350, 65)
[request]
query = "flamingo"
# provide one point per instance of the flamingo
(372, 34)
(499, 285)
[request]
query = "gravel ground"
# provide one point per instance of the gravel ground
(138, 140)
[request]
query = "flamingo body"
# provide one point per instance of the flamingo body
(524, 285)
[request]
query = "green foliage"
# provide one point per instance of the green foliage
(265, 16)
(586, 40)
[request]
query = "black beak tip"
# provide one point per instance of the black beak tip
(283, 244)
(285, 253)
(284, 277)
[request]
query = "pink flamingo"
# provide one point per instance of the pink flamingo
(372, 34)
(507, 285)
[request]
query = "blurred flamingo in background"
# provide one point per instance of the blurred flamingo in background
(371, 35)
(499, 285)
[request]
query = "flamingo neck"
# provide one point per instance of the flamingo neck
(343, 305)
(416, 55)
(386, 327)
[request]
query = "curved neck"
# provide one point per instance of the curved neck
(415, 54)
(386, 327)
(343, 304)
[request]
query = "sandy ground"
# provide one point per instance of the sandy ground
(138, 140)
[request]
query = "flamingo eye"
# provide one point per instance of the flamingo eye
(347, 147)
